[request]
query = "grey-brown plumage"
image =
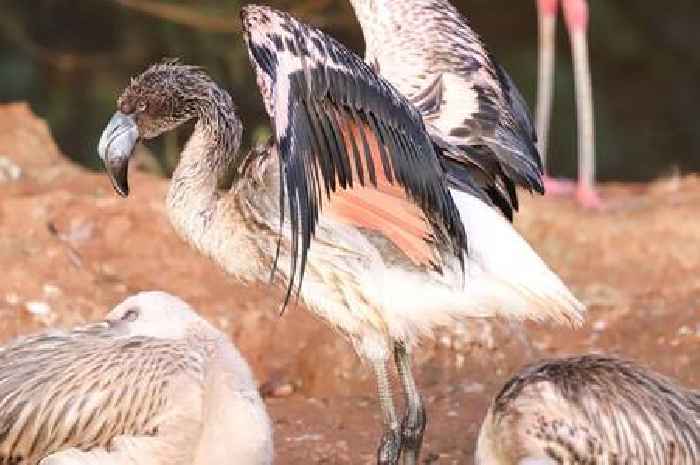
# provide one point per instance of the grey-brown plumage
(427, 49)
(54, 389)
(594, 410)
(130, 389)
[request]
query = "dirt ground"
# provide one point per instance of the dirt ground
(70, 249)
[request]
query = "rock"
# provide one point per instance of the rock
(36, 308)
(9, 171)
(26, 141)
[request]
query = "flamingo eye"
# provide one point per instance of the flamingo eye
(131, 315)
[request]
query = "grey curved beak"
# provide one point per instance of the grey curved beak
(116, 147)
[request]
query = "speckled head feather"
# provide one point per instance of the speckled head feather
(159, 100)
(169, 93)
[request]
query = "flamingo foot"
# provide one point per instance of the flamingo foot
(588, 198)
(558, 186)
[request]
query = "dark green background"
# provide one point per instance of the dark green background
(71, 58)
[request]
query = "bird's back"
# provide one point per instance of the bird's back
(83, 388)
(591, 409)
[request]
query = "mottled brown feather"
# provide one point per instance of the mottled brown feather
(54, 396)
(591, 409)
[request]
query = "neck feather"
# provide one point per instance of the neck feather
(217, 220)
(213, 147)
(206, 162)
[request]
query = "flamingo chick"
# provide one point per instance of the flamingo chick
(576, 17)
(351, 199)
(593, 410)
(151, 384)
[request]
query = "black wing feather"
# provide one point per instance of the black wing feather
(386, 165)
(322, 146)
(500, 135)
(319, 89)
(520, 110)
(365, 146)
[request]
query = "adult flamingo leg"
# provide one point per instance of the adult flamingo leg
(576, 16)
(547, 20)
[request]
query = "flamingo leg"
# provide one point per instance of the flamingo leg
(413, 424)
(390, 444)
(547, 21)
(576, 16)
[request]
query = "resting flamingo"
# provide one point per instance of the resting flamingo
(151, 384)
(590, 409)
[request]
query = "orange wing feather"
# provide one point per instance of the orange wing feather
(384, 208)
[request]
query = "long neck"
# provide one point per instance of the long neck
(207, 159)
(212, 151)
(234, 227)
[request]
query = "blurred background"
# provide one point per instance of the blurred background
(71, 58)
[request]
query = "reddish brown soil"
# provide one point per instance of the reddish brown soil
(70, 249)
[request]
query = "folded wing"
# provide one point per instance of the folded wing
(81, 389)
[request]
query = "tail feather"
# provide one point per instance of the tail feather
(505, 278)
(507, 274)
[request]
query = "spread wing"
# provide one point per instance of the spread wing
(81, 389)
(484, 114)
(339, 126)
(461, 90)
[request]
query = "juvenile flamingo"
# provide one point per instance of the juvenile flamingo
(151, 384)
(386, 230)
(594, 410)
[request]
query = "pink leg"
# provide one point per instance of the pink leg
(576, 16)
(588, 197)
(558, 186)
(547, 21)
